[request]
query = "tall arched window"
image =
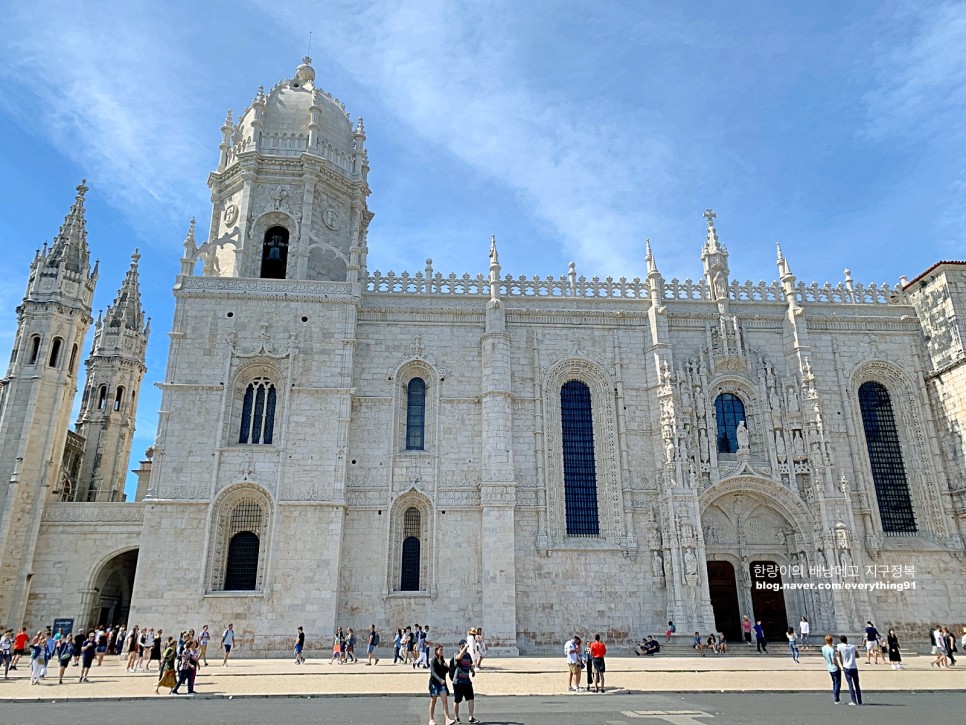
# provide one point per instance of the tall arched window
(54, 359)
(729, 410)
(415, 414)
(885, 459)
(275, 253)
(258, 412)
(34, 350)
(579, 464)
(101, 397)
(118, 398)
(241, 571)
(73, 359)
(409, 579)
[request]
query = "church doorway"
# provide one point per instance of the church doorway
(768, 599)
(724, 599)
(113, 586)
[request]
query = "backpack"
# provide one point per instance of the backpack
(375, 639)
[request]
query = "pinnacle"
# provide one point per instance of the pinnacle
(126, 311)
(69, 249)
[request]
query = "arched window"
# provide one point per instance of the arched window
(101, 397)
(579, 465)
(409, 580)
(241, 571)
(118, 398)
(729, 410)
(34, 350)
(54, 358)
(275, 253)
(415, 414)
(885, 459)
(258, 412)
(73, 359)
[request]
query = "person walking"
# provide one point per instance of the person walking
(938, 647)
(892, 642)
(371, 643)
(166, 668)
(746, 629)
(350, 647)
(572, 652)
(847, 661)
(186, 668)
(132, 643)
(803, 629)
(397, 646)
(462, 670)
(88, 650)
(156, 647)
(228, 641)
(480, 649)
(101, 638)
(38, 658)
(19, 647)
(337, 646)
(762, 644)
(597, 651)
(6, 652)
(950, 645)
(406, 644)
(438, 670)
(64, 653)
(792, 643)
(203, 639)
(299, 646)
(871, 643)
(148, 649)
(832, 665)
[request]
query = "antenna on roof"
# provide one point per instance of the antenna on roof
(309, 52)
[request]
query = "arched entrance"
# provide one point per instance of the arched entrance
(754, 531)
(112, 586)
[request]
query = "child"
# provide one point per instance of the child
(671, 629)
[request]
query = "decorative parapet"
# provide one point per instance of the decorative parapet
(93, 513)
(623, 288)
(267, 287)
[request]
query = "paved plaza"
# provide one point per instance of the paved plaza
(541, 676)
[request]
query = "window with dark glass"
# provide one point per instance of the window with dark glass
(409, 579)
(729, 411)
(579, 465)
(101, 397)
(34, 350)
(241, 571)
(258, 412)
(275, 253)
(73, 359)
(55, 346)
(885, 459)
(118, 398)
(415, 414)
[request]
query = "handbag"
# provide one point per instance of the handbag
(168, 679)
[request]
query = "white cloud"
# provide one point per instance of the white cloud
(105, 87)
(456, 80)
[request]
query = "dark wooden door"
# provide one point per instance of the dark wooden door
(724, 599)
(768, 599)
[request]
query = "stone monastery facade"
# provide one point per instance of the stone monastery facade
(533, 455)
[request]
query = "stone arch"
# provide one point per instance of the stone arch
(410, 369)
(239, 381)
(326, 262)
(913, 441)
(222, 528)
(412, 498)
(744, 389)
(763, 491)
(256, 235)
(111, 585)
(606, 458)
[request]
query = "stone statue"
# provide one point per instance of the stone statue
(742, 433)
(792, 401)
(692, 476)
(690, 563)
(669, 450)
(780, 449)
(657, 565)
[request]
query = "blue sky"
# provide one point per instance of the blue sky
(571, 130)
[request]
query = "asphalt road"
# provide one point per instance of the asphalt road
(901, 708)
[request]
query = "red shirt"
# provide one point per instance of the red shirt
(597, 649)
(20, 641)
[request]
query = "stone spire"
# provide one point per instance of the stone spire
(69, 250)
(649, 259)
(126, 311)
(494, 269)
(714, 256)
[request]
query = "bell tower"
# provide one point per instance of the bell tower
(115, 369)
(36, 397)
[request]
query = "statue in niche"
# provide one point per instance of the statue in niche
(799, 444)
(669, 450)
(792, 401)
(692, 476)
(657, 565)
(780, 449)
(773, 399)
(703, 445)
(742, 434)
(690, 563)
(685, 396)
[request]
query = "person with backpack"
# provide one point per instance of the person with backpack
(228, 640)
(461, 671)
(64, 653)
(371, 645)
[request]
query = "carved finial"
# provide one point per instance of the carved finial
(649, 258)
(81, 189)
(710, 216)
(360, 127)
(228, 118)
(778, 246)
(135, 257)
(848, 275)
(494, 255)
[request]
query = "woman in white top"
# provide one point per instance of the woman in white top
(803, 630)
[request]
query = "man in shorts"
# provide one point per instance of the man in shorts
(871, 643)
(228, 640)
(572, 650)
(203, 640)
(597, 652)
(371, 644)
(20, 647)
(461, 671)
(299, 646)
